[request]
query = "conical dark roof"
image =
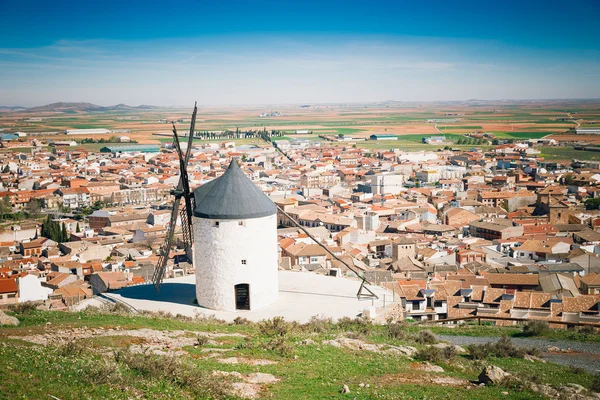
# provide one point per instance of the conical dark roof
(232, 196)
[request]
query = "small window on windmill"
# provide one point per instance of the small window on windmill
(243, 262)
(216, 224)
(242, 223)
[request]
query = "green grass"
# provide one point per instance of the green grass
(306, 371)
(460, 127)
(412, 146)
(521, 135)
(568, 153)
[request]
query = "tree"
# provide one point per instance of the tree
(244, 158)
(63, 233)
(592, 204)
(77, 228)
(36, 185)
(33, 208)
(6, 169)
(149, 242)
(568, 179)
(5, 206)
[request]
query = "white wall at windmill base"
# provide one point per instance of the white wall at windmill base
(231, 252)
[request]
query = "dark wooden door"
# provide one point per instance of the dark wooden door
(242, 296)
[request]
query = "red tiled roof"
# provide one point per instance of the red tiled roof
(8, 286)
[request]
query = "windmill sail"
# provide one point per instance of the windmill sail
(182, 191)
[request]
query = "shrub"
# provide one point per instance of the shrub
(356, 325)
(241, 321)
(201, 341)
(22, 308)
(480, 351)
(248, 344)
(317, 324)
(100, 373)
(503, 348)
(117, 308)
(426, 337)
(275, 327)
(587, 330)
(576, 370)
(435, 354)
(535, 328)
(595, 385)
(171, 369)
(208, 319)
(71, 348)
(280, 346)
(396, 330)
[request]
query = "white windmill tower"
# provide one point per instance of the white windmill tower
(235, 244)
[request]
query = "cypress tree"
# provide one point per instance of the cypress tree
(63, 234)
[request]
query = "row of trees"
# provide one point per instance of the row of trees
(472, 141)
(237, 134)
(54, 230)
(112, 139)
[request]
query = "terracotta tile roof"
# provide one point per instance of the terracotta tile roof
(412, 292)
(8, 286)
(591, 279)
(512, 279)
(581, 303)
(493, 295)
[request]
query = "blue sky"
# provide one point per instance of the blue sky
(272, 52)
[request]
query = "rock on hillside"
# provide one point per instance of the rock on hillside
(7, 319)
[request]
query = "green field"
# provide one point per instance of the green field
(105, 366)
(521, 135)
(413, 146)
(568, 153)
(459, 127)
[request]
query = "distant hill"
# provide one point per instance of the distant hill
(73, 107)
(61, 106)
(127, 107)
(12, 108)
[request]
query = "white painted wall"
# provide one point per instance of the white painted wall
(31, 289)
(218, 254)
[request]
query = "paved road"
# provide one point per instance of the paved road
(582, 354)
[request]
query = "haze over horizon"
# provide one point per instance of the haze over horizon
(267, 52)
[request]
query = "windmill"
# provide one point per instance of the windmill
(181, 192)
(187, 213)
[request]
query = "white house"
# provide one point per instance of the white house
(31, 289)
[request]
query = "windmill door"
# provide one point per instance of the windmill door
(242, 296)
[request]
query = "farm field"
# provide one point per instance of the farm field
(411, 122)
(568, 153)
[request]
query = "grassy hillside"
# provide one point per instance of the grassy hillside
(96, 354)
